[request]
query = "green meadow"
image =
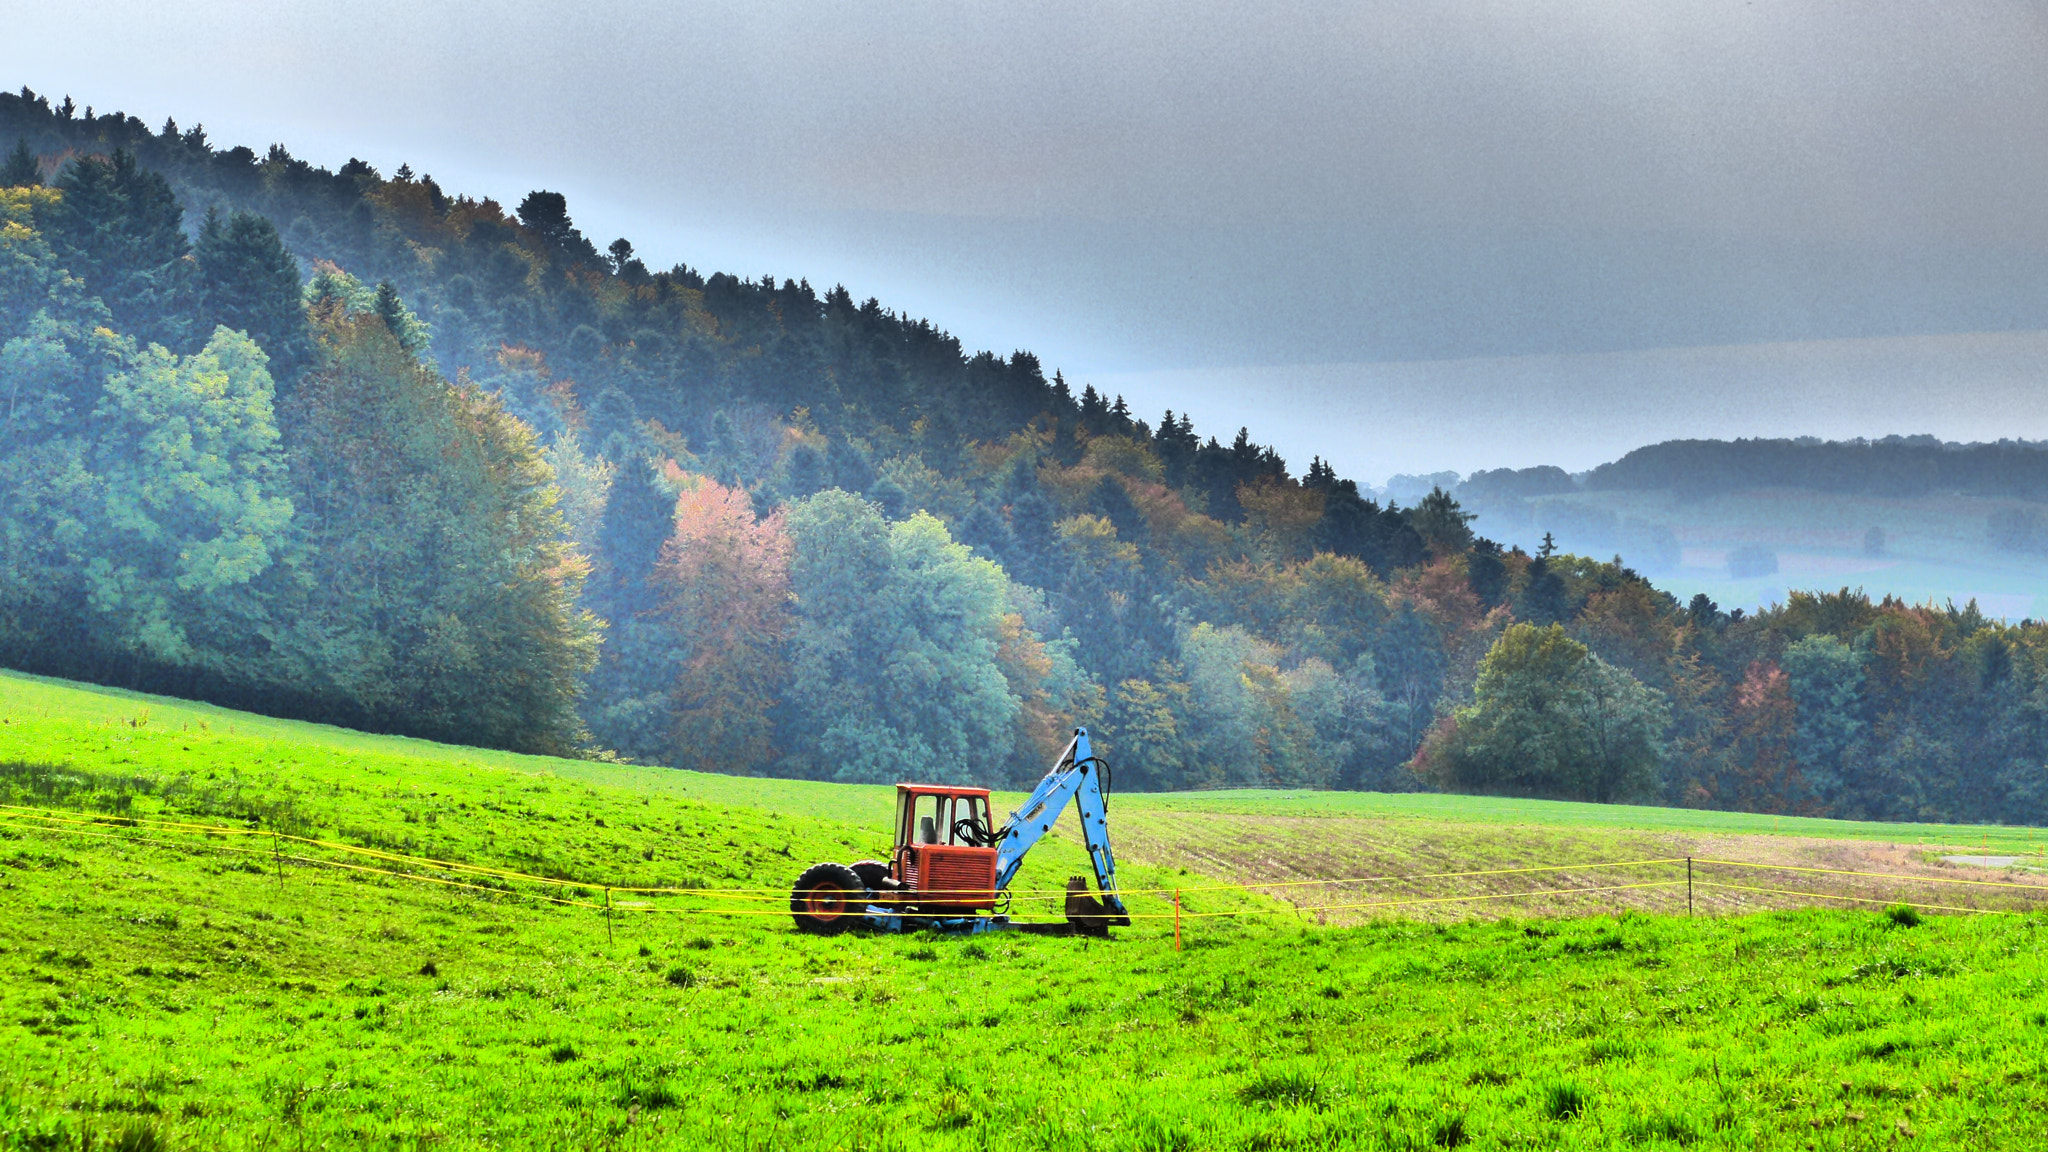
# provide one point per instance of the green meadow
(164, 990)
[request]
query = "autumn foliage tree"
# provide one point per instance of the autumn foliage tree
(1766, 728)
(724, 583)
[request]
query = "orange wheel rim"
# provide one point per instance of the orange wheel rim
(825, 903)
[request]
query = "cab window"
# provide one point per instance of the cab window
(966, 808)
(927, 820)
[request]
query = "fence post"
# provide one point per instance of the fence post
(277, 858)
(608, 917)
(1688, 885)
(1176, 919)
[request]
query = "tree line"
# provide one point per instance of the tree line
(1895, 466)
(346, 446)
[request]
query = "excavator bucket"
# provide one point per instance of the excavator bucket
(1086, 915)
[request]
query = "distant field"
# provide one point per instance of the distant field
(1936, 547)
(1505, 812)
(157, 996)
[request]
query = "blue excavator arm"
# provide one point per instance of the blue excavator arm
(1075, 775)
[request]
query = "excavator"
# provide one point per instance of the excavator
(950, 870)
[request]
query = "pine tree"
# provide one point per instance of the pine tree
(22, 169)
(1442, 523)
(1355, 526)
(1703, 612)
(1039, 558)
(807, 472)
(984, 530)
(1175, 443)
(1486, 572)
(1094, 410)
(1544, 598)
(47, 490)
(252, 285)
(631, 700)
(120, 229)
(403, 325)
(546, 214)
(849, 466)
(890, 497)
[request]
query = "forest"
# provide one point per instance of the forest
(344, 446)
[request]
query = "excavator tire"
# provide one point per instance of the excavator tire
(828, 899)
(873, 873)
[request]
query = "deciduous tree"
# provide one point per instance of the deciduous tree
(893, 659)
(724, 582)
(443, 591)
(194, 506)
(1549, 718)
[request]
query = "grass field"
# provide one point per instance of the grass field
(179, 995)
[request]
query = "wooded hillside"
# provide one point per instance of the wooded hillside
(347, 446)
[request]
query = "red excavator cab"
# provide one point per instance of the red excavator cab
(945, 848)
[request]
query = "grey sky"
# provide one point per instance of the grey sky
(1249, 210)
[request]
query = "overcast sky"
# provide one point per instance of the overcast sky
(1403, 236)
